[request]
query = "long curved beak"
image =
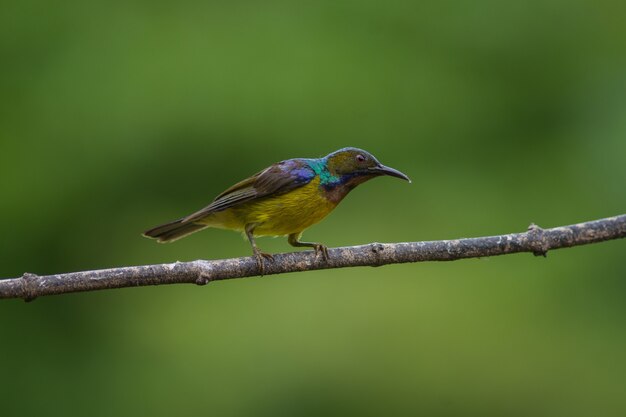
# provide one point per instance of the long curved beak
(392, 172)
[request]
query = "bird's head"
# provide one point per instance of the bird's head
(354, 166)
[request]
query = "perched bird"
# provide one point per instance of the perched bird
(282, 200)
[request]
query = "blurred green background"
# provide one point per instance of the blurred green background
(117, 116)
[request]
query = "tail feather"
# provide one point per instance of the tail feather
(172, 231)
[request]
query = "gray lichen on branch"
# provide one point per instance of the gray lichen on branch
(536, 240)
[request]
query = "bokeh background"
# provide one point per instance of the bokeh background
(116, 116)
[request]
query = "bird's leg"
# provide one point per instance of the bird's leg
(260, 256)
(294, 240)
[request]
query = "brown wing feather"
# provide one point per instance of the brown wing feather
(276, 179)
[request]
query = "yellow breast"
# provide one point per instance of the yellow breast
(280, 215)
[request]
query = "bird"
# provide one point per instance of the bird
(284, 199)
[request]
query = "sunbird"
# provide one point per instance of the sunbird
(282, 200)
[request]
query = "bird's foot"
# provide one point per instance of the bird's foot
(260, 259)
(321, 249)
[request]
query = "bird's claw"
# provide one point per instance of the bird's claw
(260, 259)
(323, 250)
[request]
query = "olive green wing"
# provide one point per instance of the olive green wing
(275, 180)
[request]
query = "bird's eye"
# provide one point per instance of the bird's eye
(360, 158)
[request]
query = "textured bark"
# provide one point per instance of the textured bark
(536, 240)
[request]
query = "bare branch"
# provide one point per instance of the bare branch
(536, 240)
